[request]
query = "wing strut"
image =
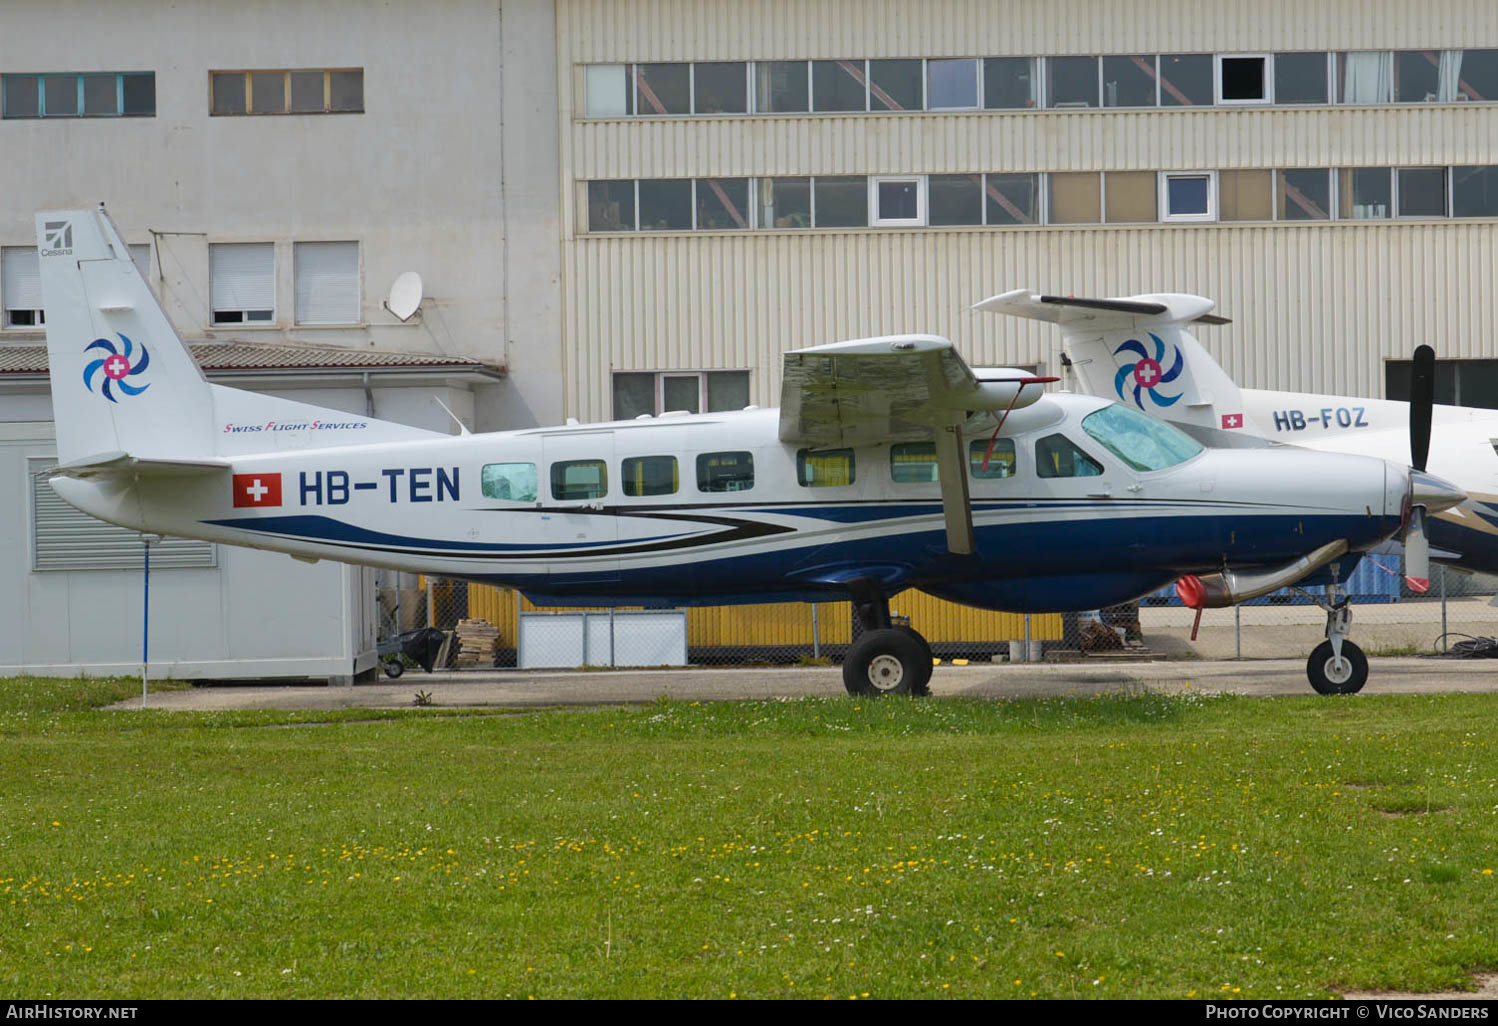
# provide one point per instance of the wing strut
(954, 494)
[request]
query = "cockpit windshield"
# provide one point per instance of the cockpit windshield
(1141, 441)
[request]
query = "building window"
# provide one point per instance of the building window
(21, 287)
(650, 475)
(954, 199)
(828, 468)
(1303, 194)
(1071, 82)
(1421, 191)
(985, 463)
(1470, 383)
(1130, 196)
(1010, 83)
(606, 91)
(647, 393)
(611, 206)
(572, 480)
(720, 88)
(509, 482)
(1243, 78)
(91, 95)
(327, 282)
(897, 201)
(1477, 76)
(839, 86)
(1187, 197)
(785, 202)
(722, 204)
(1075, 197)
(896, 85)
(952, 84)
(1129, 81)
(1366, 77)
(65, 538)
(302, 91)
(665, 204)
(663, 88)
(1427, 76)
(1012, 199)
(1365, 193)
(725, 472)
(242, 283)
(1186, 80)
(1474, 191)
(840, 202)
(1300, 78)
(782, 87)
(1245, 195)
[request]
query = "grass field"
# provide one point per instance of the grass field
(1114, 847)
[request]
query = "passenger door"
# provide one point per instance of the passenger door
(578, 504)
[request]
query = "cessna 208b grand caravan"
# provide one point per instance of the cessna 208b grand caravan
(890, 465)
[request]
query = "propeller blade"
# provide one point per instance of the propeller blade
(1422, 399)
(1417, 552)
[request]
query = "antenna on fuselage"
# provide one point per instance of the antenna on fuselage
(462, 428)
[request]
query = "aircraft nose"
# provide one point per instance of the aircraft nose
(1434, 493)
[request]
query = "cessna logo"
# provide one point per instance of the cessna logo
(59, 236)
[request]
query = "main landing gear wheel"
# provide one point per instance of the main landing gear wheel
(888, 661)
(1331, 677)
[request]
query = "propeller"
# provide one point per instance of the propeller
(1422, 400)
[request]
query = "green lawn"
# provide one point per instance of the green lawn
(1113, 847)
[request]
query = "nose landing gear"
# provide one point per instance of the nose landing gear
(1336, 666)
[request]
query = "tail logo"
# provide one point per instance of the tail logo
(116, 367)
(58, 238)
(1149, 372)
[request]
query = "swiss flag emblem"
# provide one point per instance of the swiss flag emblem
(257, 490)
(1229, 420)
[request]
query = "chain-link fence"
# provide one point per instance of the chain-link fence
(490, 627)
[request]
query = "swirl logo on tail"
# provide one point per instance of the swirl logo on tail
(116, 367)
(1149, 372)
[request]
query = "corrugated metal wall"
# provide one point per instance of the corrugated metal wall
(1315, 308)
(676, 30)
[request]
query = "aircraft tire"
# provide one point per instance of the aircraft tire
(1327, 680)
(923, 688)
(394, 669)
(890, 661)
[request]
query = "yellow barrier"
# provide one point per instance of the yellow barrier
(789, 623)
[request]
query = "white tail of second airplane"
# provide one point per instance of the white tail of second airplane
(123, 382)
(1136, 349)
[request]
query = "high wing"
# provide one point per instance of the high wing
(899, 388)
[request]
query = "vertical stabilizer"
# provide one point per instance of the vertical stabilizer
(122, 381)
(1137, 350)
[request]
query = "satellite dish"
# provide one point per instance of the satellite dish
(405, 296)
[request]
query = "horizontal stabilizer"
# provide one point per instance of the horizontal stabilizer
(111, 464)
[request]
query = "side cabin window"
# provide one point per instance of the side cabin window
(725, 472)
(579, 479)
(1000, 462)
(913, 462)
(1056, 456)
(650, 475)
(509, 482)
(824, 468)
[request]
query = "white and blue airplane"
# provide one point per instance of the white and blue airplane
(891, 464)
(1140, 350)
